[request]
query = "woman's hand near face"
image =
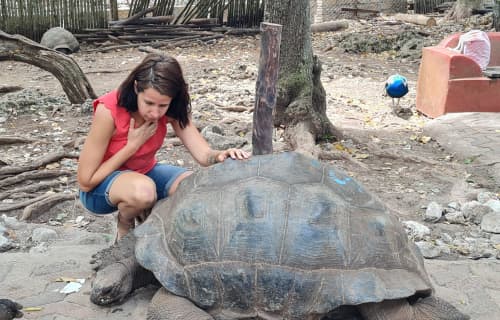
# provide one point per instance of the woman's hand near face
(138, 136)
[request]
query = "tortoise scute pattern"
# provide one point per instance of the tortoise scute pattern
(278, 233)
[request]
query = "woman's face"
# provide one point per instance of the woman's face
(152, 105)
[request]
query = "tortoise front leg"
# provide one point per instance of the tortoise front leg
(166, 306)
(430, 308)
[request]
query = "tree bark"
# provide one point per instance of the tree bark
(301, 99)
(74, 82)
(462, 9)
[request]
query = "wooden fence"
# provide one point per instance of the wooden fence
(31, 18)
(234, 13)
(427, 6)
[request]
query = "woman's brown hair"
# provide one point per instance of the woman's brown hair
(164, 74)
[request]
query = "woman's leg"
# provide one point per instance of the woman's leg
(132, 193)
(178, 180)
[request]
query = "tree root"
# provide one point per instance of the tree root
(389, 154)
(29, 189)
(22, 204)
(33, 175)
(14, 139)
(35, 164)
(338, 155)
(45, 204)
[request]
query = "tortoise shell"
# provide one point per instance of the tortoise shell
(281, 234)
(58, 38)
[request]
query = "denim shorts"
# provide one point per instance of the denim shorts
(97, 200)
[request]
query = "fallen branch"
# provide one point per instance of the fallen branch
(329, 26)
(45, 204)
(30, 189)
(14, 139)
(8, 89)
(33, 175)
(337, 155)
(416, 19)
(384, 153)
(156, 44)
(37, 163)
(22, 204)
(23, 195)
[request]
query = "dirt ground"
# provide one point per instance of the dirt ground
(386, 152)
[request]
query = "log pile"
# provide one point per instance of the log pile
(139, 30)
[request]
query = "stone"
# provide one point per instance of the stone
(491, 222)
(434, 212)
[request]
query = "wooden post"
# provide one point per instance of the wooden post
(265, 97)
(113, 8)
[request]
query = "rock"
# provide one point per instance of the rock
(11, 222)
(415, 230)
(491, 222)
(483, 197)
(428, 250)
(5, 244)
(455, 217)
(474, 211)
(495, 239)
(446, 238)
(43, 234)
(454, 206)
(443, 247)
(493, 204)
(217, 140)
(434, 212)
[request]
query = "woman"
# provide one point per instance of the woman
(118, 169)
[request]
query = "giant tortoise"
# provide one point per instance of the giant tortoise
(60, 39)
(279, 236)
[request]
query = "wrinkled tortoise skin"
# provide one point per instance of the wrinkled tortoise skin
(280, 233)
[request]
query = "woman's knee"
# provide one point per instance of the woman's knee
(134, 190)
(143, 194)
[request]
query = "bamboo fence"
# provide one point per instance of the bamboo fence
(233, 13)
(31, 18)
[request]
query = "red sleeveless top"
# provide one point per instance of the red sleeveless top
(145, 158)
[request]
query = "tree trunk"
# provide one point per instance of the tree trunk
(64, 68)
(301, 98)
(463, 9)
